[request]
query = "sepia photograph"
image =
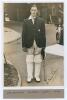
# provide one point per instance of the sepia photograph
(34, 45)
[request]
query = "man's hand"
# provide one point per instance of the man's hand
(25, 49)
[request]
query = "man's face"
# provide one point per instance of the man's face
(34, 11)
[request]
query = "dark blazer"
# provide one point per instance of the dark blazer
(33, 31)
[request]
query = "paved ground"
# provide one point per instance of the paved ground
(54, 65)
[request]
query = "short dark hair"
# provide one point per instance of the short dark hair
(34, 5)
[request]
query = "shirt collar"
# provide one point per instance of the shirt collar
(30, 17)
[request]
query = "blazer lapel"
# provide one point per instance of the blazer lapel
(30, 20)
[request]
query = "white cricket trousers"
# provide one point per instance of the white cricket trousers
(33, 56)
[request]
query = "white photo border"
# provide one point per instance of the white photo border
(1, 44)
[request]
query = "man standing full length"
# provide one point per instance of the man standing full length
(34, 40)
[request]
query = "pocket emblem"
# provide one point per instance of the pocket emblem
(38, 30)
